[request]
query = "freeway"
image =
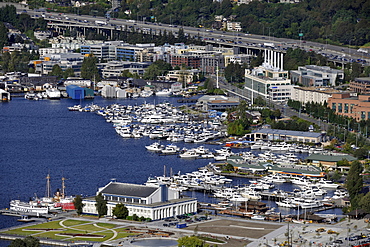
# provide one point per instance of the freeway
(338, 54)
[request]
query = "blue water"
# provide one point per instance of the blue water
(38, 137)
(41, 137)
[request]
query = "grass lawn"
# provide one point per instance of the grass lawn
(88, 227)
(20, 232)
(78, 228)
(50, 225)
(106, 225)
(108, 235)
(74, 222)
(124, 235)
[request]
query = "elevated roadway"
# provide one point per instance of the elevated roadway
(248, 43)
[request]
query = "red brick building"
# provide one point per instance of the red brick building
(346, 105)
(191, 61)
(360, 85)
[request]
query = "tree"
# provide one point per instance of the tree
(32, 241)
(191, 241)
(18, 243)
(120, 211)
(57, 71)
(101, 205)
(234, 72)
(365, 202)
(77, 202)
(89, 69)
(229, 167)
(354, 181)
(26, 242)
(135, 217)
(126, 73)
(69, 73)
(157, 68)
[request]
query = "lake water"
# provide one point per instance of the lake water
(41, 137)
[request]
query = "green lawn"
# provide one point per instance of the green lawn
(106, 225)
(77, 226)
(124, 235)
(50, 225)
(88, 227)
(74, 222)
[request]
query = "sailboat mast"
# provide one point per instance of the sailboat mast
(63, 188)
(48, 186)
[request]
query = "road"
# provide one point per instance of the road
(238, 39)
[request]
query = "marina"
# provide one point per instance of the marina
(88, 151)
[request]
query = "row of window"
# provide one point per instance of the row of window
(348, 109)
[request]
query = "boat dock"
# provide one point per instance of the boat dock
(186, 100)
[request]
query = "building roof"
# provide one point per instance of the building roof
(363, 79)
(288, 132)
(131, 190)
(330, 158)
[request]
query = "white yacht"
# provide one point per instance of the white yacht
(189, 154)
(327, 184)
(250, 194)
(170, 149)
(53, 93)
(156, 147)
(164, 92)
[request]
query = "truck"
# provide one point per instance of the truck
(269, 44)
(100, 23)
(181, 225)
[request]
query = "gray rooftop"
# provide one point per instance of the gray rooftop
(287, 132)
(330, 158)
(131, 190)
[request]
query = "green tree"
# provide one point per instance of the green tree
(354, 180)
(228, 167)
(57, 71)
(365, 202)
(157, 68)
(18, 243)
(126, 73)
(3, 35)
(32, 241)
(135, 217)
(191, 241)
(120, 211)
(101, 205)
(89, 69)
(77, 202)
(68, 73)
(29, 241)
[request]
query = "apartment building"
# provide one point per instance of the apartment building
(357, 107)
(360, 85)
(318, 95)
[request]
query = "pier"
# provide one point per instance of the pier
(186, 100)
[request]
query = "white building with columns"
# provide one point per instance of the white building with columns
(270, 75)
(148, 201)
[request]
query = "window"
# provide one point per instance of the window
(334, 106)
(339, 107)
(346, 108)
(351, 108)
